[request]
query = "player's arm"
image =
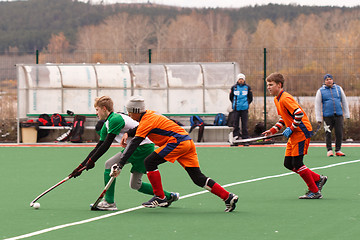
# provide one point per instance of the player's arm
(75, 173)
(130, 149)
(277, 127)
(100, 151)
(298, 115)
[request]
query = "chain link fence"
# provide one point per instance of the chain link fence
(303, 67)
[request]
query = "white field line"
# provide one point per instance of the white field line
(185, 196)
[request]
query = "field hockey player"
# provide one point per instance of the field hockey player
(114, 127)
(298, 131)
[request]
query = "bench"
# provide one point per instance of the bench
(211, 133)
(89, 134)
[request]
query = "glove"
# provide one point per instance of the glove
(89, 165)
(76, 172)
(287, 132)
(115, 170)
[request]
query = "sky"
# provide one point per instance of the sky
(235, 3)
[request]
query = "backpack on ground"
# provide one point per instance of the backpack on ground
(196, 121)
(220, 120)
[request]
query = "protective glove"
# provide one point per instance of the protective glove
(89, 165)
(115, 170)
(76, 172)
(287, 132)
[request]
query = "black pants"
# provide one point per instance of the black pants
(244, 116)
(336, 122)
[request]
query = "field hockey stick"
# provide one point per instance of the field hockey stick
(56, 185)
(257, 138)
(317, 129)
(94, 206)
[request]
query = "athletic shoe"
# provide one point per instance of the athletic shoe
(321, 182)
(173, 197)
(340, 154)
(230, 202)
(311, 195)
(330, 153)
(155, 202)
(105, 206)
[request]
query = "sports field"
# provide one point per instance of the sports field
(268, 206)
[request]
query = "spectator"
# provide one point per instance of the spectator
(330, 101)
(241, 96)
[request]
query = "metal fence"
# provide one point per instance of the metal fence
(303, 67)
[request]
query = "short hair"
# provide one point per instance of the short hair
(277, 78)
(104, 101)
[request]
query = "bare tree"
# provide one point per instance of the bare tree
(58, 43)
(139, 30)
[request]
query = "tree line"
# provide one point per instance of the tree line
(67, 26)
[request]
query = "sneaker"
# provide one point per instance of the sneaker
(230, 202)
(311, 195)
(321, 182)
(105, 206)
(340, 154)
(330, 153)
(155, 202)
(174, 197)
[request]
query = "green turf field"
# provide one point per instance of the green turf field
(268, 207)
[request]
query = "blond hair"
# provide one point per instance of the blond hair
(106, 102)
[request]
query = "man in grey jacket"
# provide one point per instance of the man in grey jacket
(331, 106)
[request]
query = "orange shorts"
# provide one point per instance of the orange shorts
(184, 152)
(297, 149)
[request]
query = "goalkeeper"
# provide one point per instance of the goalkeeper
(114, 127)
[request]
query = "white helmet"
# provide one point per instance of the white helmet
(240, 76)
(136, 104)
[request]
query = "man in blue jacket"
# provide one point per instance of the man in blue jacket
(331, 105)
(240, 96)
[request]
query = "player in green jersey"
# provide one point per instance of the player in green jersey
(114, 127)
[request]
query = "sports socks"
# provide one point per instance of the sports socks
(109, 195)
(216, 189)
(147, 189)
(307, 175)
(155, 180)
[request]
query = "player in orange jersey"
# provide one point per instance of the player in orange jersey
(298, 131)
(174, 144)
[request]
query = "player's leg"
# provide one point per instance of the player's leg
(109, 196)
(136, 183)
(209, 184)
(294, 155)
(190, 162)
(151, 165)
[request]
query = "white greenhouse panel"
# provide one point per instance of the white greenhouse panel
(78, 76)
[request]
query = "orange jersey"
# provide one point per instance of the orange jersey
(159, 129)
(173, 141)
(286, 106)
